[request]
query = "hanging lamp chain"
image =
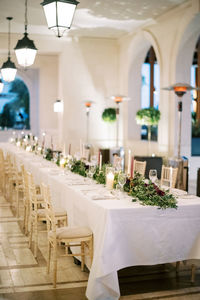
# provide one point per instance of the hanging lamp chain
(26, 18)
(9, 19)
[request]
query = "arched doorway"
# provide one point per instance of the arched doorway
(150, 88)
(184, 61)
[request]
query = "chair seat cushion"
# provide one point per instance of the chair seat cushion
(20, 186)
(58, 213)
(71, 232)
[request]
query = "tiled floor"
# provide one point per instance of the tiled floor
(23, 277)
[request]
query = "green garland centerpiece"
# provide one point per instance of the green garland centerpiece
(100, 175)
(79, 167)
(109, 115)
(149, 193)
(145, 191)
(48, 154)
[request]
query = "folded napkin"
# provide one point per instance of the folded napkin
(108, 197)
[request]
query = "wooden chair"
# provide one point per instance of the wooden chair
(8, 178)
(167, 175)
(193, 269)
(78, 236)
(18, 187)
(27, 200)
(1, 170)
(5, 174)
(139, 167)
(117, 163)
(37, 212)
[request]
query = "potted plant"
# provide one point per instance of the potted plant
(109, 115)
(149, 117)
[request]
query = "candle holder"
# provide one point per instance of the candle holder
(110, 175)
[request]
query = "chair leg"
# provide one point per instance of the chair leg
(27, 220)
(193, 273)
(177, 266)
(54, 265)
(31, 233)
(17, 203)
(49, 257)
(91, 250)
(35, 237)
(24, 219)
(82, 256)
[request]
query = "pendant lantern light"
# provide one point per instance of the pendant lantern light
(25, 49)
(59, 14)
(8, 69)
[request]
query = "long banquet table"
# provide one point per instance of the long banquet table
(125, 232)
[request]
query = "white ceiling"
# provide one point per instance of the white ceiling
(101, 18)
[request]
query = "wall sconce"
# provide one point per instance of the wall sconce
(58, 106)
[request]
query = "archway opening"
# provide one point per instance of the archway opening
(195, 108)
(15, 105)
(150, 73)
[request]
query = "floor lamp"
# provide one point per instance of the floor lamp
(118, 99)
(88, 105)
(180, 89)
(58, 109)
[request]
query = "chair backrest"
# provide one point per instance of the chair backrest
(117, 162)
(1, 156)
(25, 184)
(50, 215)
(139, 167)
(32, 193)
(169, 176)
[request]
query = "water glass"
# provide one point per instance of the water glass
(91, 172)
(121, 180)
(93, 160)
(153, 175)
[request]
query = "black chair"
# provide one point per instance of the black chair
(152, 163)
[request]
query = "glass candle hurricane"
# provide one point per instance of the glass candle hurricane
(110, 174)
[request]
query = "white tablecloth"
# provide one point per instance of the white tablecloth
(125, 233)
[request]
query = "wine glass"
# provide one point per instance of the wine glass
(91, 172)
(93, 160)
(153, 175)
(121, 180)
(69, 163)
(55, 157)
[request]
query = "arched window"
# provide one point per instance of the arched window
(195, 108)
(14, 105)
(150, 89)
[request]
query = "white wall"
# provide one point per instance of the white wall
(88, 69)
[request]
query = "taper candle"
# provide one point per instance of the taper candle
(100, 162)
(129, 163)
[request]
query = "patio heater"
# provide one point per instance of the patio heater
(180, 89)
